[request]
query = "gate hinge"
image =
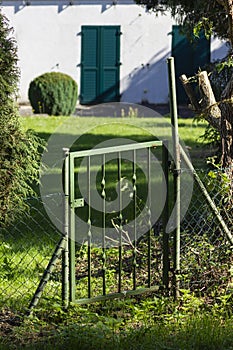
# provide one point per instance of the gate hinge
(173, 170)
(78, 203)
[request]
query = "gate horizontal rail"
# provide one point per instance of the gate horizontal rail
(122, 294)
(114, 149)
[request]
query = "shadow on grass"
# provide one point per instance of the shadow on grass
(109, 333)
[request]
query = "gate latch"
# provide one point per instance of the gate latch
(78, 203)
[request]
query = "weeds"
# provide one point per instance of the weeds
(136, 323)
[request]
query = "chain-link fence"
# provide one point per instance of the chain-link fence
(27, 245)
(206, 252)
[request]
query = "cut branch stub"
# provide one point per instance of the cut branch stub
(210, 108)
(190, 93)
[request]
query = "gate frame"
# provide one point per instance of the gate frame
(68, 257)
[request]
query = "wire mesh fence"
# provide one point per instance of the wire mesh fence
(206, 253)
(26, 247)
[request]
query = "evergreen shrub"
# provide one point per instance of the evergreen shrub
(53, 93)
(219, 75)
(19, 150)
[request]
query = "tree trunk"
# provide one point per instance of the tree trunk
(226, 107)
(228, 7)
(220, 117)
(229, 10)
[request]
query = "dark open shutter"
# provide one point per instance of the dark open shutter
(188, 57)
(201, 50)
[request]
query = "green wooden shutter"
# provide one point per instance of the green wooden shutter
(89, 64)
(109, 79)
(188, 57)
(100, 64)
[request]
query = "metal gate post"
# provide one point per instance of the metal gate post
(65, 252)
(177, 170)
(72, 277)
(166, 262)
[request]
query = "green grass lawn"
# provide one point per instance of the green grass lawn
(91, 131)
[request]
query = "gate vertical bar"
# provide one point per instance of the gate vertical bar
(120, 222)
(103, 195)
(89, 234)
(72, 272)
(65, 252)
(177, 170)
(149, 216)
(166, 262)
(134, 180)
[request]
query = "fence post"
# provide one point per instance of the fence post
(176, 172)
(65, 252)
(47, 273)
(166, 262)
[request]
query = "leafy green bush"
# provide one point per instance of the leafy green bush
(19, 155)
(53, 93)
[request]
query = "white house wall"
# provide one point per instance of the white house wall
(48, 39)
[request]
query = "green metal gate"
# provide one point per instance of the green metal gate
(95, 264)
(100, 64)
(158, 265)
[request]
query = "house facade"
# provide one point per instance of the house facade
(114, 49)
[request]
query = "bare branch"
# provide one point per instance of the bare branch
(126, 238)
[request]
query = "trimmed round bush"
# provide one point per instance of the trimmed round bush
(53, 93)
